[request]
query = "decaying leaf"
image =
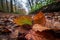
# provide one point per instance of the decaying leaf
(23, 20)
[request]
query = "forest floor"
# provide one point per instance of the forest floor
(50, 23)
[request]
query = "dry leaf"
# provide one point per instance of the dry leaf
(39, 19)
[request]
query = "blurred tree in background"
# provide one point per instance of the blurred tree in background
(11, 4)
(36, 4)
(15, 6)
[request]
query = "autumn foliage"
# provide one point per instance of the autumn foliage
(23, 20)
(39, 18)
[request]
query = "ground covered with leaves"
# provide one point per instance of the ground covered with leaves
(9, 30)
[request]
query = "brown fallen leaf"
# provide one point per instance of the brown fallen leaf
(39, 18)
(38, 27)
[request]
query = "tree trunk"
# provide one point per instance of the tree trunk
(29, 3)
(15, 4)
(7, 6)
(11, 4)
(2, 5)
(32, 2)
